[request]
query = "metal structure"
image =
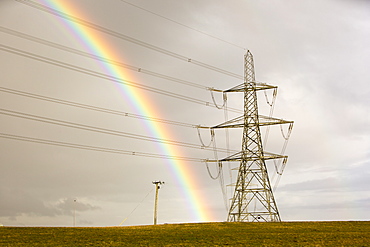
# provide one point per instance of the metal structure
(253, 199)
(74, 212)
(157, 187)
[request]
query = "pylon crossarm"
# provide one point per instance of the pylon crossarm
(238, 122)
(214, 89)
(256, 87)
(270, 156)
(238, 157)
(266, 120)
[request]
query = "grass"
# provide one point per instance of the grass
(345, 233)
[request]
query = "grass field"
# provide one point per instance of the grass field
(345, 233)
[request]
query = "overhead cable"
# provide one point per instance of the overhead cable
(201, 140)
(282, 163)
(99, 58)
(95, 148)
(123, 221)
(106, 77)
(224, 97)
(125, 37)
(94, 108)
(181, 24)
(102, 130)
(272, 107)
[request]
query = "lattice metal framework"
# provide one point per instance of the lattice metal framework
(253, 189)
(253, 199)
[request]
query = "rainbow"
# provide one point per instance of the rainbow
(95, 44)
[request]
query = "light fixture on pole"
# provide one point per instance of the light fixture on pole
(74, 212)
(157, 187)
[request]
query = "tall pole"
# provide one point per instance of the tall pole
(157, 187)
(74, 212)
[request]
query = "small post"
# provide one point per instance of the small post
(74, 212)
(157, 187)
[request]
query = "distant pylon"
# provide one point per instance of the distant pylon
(253, 199)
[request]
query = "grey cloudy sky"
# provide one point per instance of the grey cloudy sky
(316, 52)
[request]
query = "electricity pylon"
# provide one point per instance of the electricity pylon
(253, 199)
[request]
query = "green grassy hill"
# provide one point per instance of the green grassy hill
(347, 233)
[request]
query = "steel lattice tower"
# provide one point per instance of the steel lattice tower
(253, 199)
(253, 186)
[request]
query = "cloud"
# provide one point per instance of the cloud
(15, 202)
(67, 205)
(327, 179)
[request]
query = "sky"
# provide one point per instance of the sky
(315, 52)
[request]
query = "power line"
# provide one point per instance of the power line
(125, 37)
(106, 77)
(99, 58)
(102, 130)
(97, 74)
(181, 24)
(94, 108)
(95, 148)
(123, 221)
